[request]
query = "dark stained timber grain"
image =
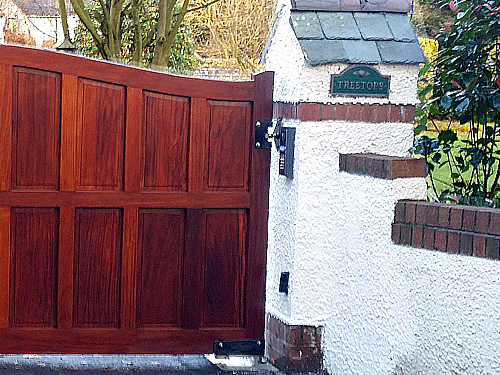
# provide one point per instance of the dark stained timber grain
(133, 207)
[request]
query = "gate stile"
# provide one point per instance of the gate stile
(133, 207)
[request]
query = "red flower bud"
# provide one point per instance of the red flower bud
(497, 79)
(452, 5)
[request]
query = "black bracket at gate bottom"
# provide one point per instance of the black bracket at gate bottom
(239, 347)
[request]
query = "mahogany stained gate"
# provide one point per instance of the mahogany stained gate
(133, 207)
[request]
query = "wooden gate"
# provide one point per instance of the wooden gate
(133, 207)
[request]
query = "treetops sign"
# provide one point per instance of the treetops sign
(360, 81)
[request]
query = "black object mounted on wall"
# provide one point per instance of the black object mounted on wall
(284, 278)
(286, 149)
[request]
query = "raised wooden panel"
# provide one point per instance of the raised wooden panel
(34, 242)
(5, 125)
(100, 135)
(225, 245)
(4, 266)
(36, 129)
(229, 145)
(165, 132)
(161, 236)
(97, 268)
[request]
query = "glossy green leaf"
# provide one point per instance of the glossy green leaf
(436, 157)
(495, 101)
(476, 158)
(448, 136)
(446, 101)
(420, 128)
(463, 105)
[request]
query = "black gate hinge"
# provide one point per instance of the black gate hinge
(265, 132)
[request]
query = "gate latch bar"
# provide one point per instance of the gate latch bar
(239, 347)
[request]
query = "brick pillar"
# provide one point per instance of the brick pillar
(293, 348)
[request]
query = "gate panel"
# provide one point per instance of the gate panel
(6, 72)
(228, 145)
(166, 130)
(100, 135)
(225, 247)
(34, 267)
(133, 207)
(36, 129)
(97, 268)
(161, 235)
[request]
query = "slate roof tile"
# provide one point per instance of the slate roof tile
(373, 26)
(400, 27)
(306, 25)
(362, 52)
(319, 52)
(339, 25)
(356, 37)
(400, 52)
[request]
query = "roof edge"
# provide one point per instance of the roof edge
(390, 6)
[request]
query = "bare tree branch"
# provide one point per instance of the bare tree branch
(84, 16)
(136, 58)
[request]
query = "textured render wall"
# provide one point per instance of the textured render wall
(385, 309)
(295, 81)
(317, 148)
(389, 309)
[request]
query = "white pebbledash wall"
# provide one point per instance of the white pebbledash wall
(384, 308)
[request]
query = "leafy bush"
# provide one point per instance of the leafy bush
(464, 86)
(429, 46)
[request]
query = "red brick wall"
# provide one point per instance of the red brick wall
(375, 113)
(449, 228)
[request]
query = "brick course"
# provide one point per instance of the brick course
(454, 229)
(345, 112)
(380, 166)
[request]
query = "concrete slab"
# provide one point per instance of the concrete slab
(37, 364)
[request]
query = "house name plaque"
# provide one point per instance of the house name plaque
(360, 81)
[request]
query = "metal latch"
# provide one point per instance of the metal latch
(266, 131)
(239, 347)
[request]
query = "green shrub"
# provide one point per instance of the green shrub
(464, 86)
